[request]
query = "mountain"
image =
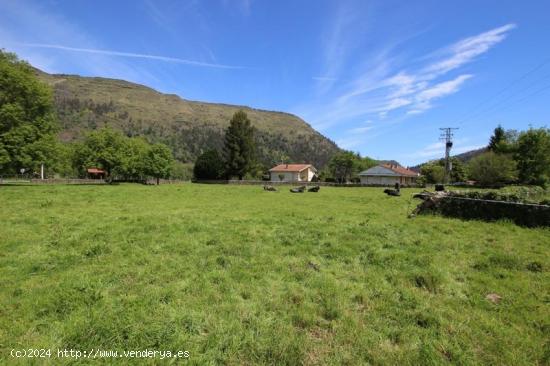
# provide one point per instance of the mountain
(390, 162)
(187, 127)
(469, 155)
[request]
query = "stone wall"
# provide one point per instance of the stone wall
(530, 215)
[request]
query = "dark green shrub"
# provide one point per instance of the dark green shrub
(428, 281)
(534, 266)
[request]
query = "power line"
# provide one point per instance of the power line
(535, 93)
(473, 111)
(519, 93)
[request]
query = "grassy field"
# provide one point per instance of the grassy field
(237, 275)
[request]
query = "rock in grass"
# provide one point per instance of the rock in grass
(494, 298)
(313, 266)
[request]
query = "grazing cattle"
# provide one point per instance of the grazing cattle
(270, 188)
(300, 189)
(314, 189)
(392, 192)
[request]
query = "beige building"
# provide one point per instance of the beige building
(388, 175)
(292, 173)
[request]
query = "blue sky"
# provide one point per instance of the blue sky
(377, 77)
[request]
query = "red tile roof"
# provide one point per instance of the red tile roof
(400, 170)
(291, 168)
(96, 171)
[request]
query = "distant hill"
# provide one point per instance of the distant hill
(187, 127)
(464, 157)
(391, 162)
(469, 155)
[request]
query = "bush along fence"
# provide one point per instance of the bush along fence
(51, 181)
(524, 214)
(20, 181)
(293, 183)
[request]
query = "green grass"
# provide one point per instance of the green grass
(237, 275)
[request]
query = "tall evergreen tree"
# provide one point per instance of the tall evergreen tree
(27, 120)
(209, 165)
(239, 146)
(499, 136)
(503, 141)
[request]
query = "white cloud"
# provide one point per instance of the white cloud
(349, 142)
(244, 7)
(423, 98)
(432, 150)
(131, 55)
(361, 129)
(381, 87)
(25, 21)
(395, 104)
(469, 48)
(156, 14)
(437, 150)
(442, 89)
(323, 78)
(337, 44)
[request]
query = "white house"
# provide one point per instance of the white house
(292, 173)
(388, 175)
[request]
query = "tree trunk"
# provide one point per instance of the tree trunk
(158, 181)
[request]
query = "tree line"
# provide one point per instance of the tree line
(238, 158)
(28, 136)
(29, 128)
(511, 157)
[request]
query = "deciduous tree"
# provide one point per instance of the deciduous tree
(490, 169)
(533, 156)
(433, 172)
(342, 166)
(104, 149)
(158, 161)
(27, 120)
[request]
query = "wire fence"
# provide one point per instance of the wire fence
(153, 181)
(23, 181)
(296, 183)
(75, 181)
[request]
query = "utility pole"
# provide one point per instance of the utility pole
(447, 137)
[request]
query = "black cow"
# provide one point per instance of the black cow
(392, 192)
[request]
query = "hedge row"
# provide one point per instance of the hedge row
(517, 194)
(529, 215)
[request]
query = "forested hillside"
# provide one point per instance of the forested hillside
(187, 127)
